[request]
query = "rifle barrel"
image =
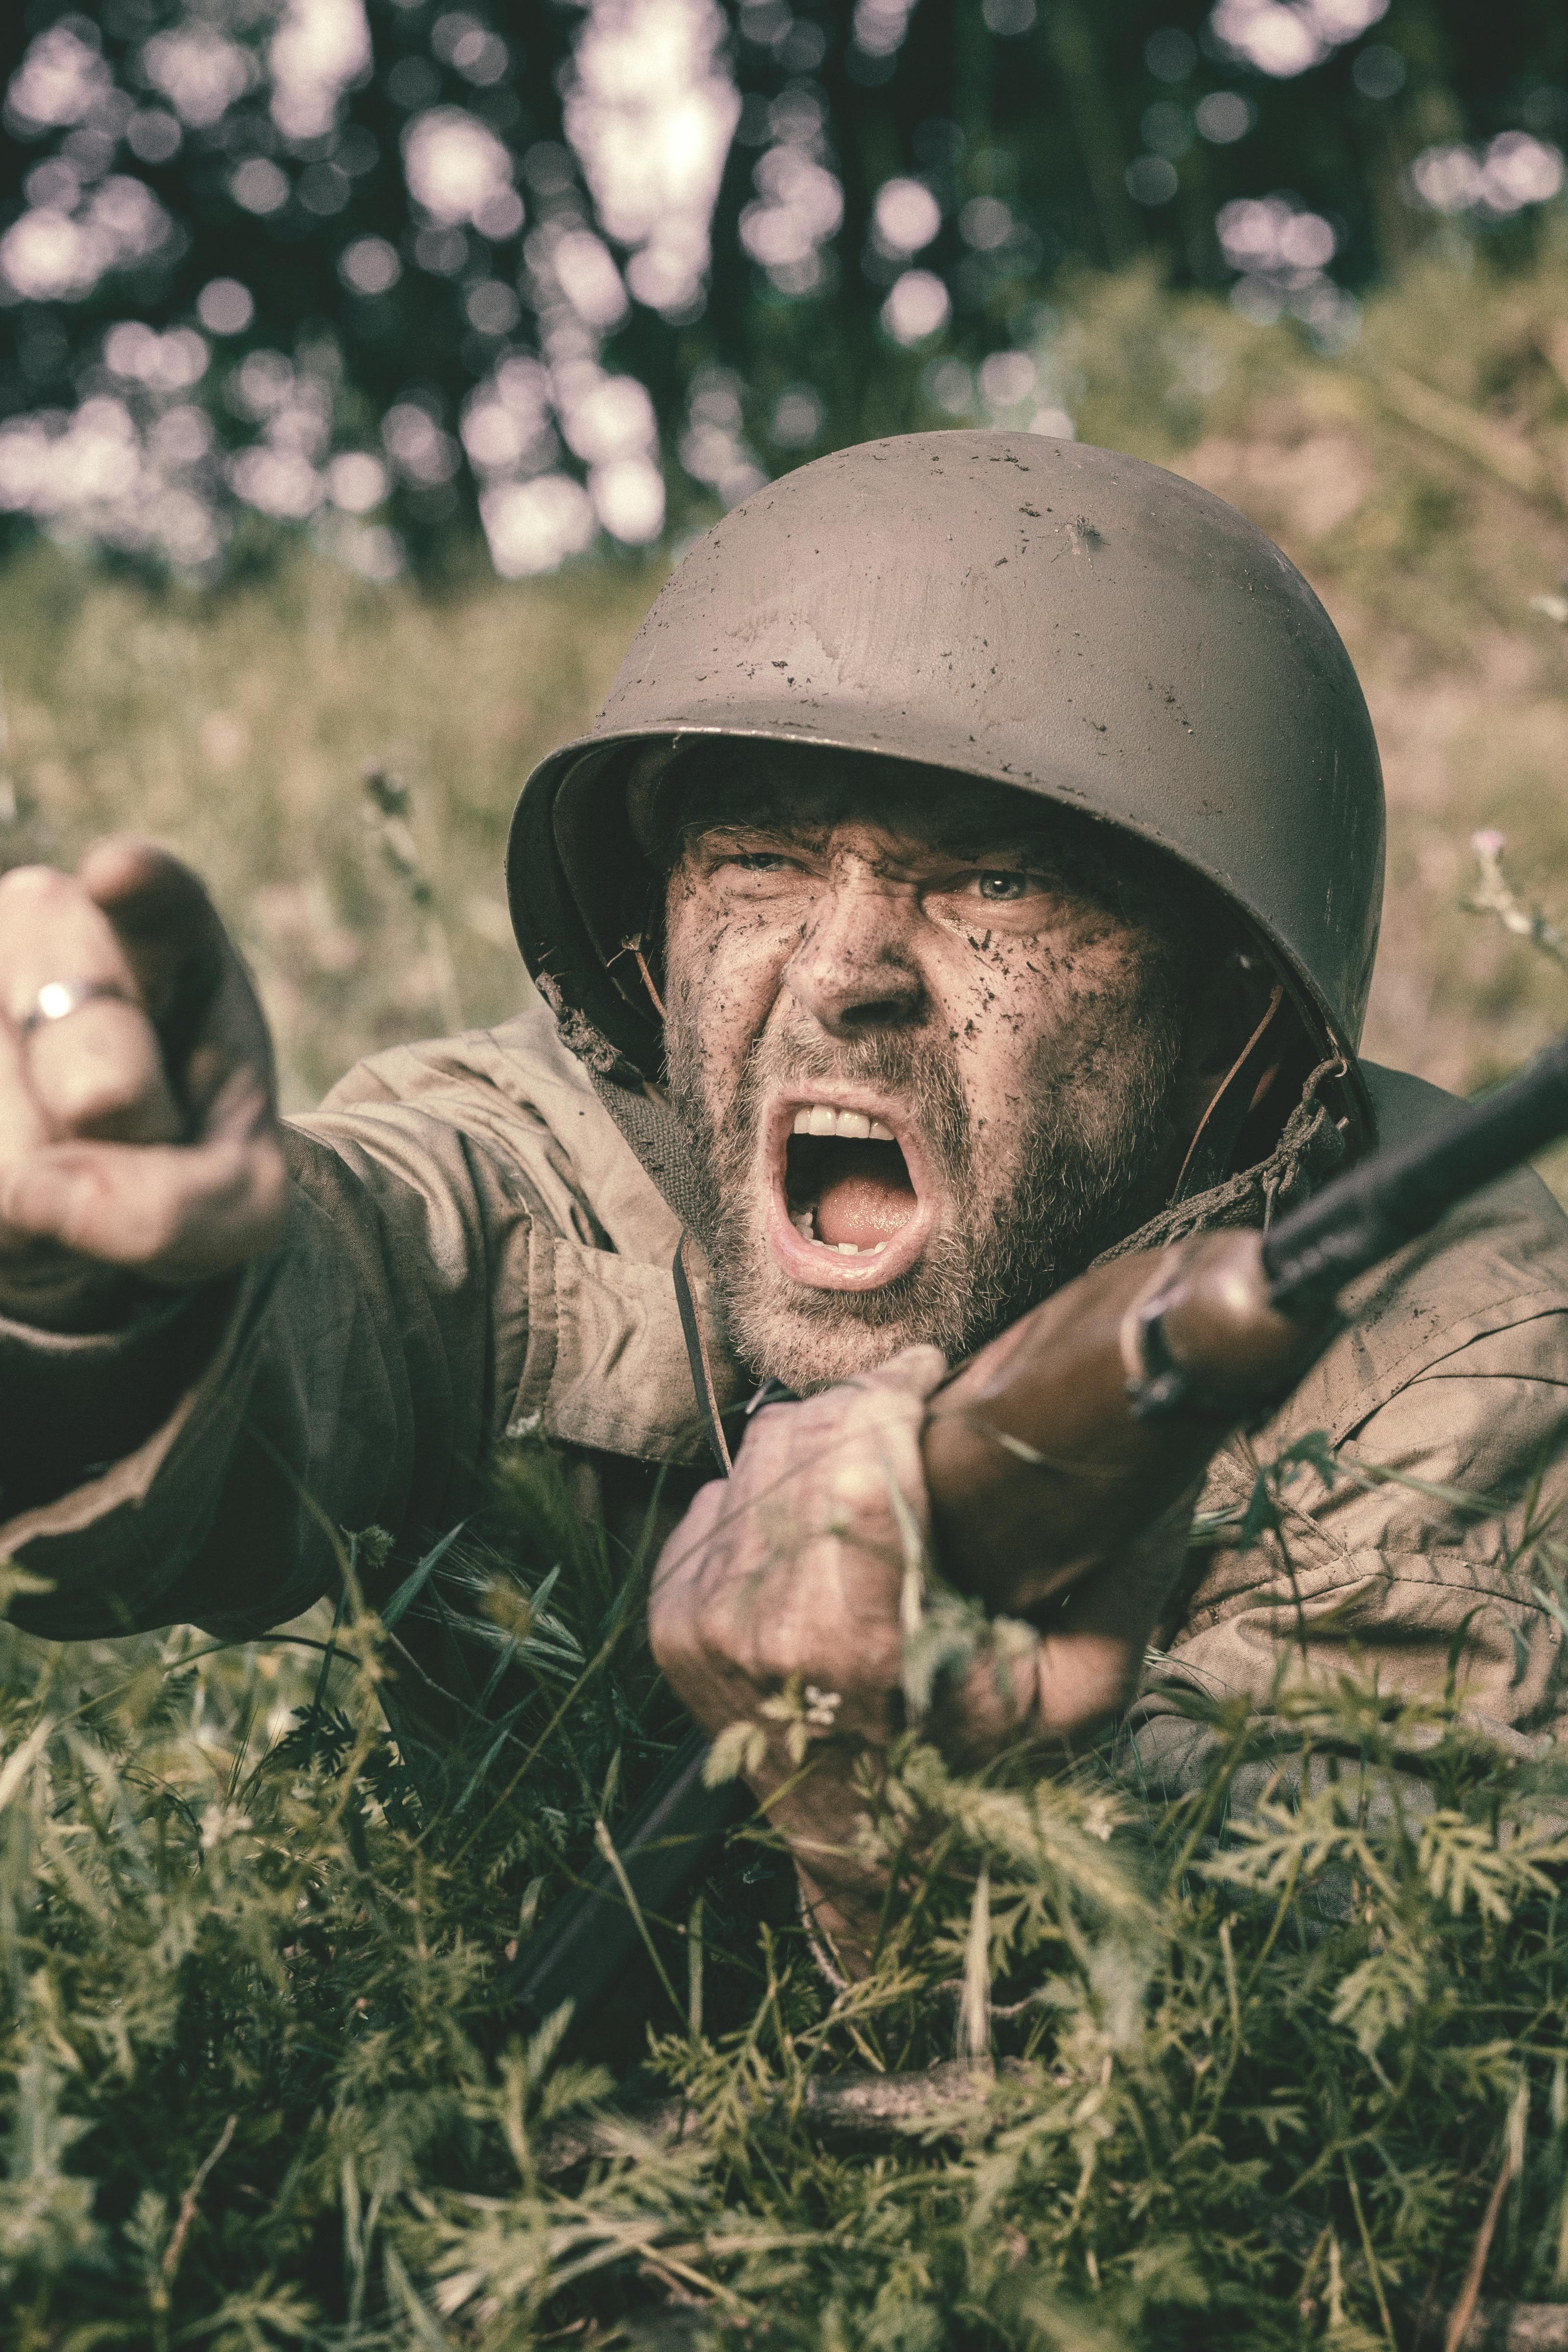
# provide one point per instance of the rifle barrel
(1397, 1195)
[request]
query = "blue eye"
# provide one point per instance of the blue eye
(1000, 887)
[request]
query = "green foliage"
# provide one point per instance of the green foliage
(1252, 2076)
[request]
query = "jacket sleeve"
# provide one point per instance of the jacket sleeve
(356, 1377)
(1424, 1546)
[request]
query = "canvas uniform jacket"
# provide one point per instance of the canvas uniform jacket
(474, 1248)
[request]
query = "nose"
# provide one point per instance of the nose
(857, 967)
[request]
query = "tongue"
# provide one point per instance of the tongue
(867, 1197)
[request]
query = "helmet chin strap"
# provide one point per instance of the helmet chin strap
(641, 1131)
(696, 1360)
(1243, 1085)
(632, 945)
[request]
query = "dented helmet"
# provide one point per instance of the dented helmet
(1083, 627)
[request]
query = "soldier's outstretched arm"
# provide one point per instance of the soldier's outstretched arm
(219, 1339)
(140, 1156)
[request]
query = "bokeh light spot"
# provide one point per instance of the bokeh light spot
(1005, 379)
(1170, 54)
(917, 307)
(370, 266)
(905, 216)
(628, 499)
(986, 222)
(532, 527)
(259, 186)
(798, 417)
(1008, 19)
(1379, 71)
(1224, 116)
(154, 135)
(453, 164)
(1151, 180)
(356, 481)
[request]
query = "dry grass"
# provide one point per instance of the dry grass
(238, 727)
(1421, 482)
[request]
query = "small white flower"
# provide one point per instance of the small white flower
(1100, 1819)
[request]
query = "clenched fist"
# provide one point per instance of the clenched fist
(137, 1127)
(784, 1599)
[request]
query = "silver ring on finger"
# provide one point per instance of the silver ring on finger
(58, 999)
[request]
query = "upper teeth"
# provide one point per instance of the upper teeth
(820, 1119)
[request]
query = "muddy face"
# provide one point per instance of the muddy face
(931, 1049)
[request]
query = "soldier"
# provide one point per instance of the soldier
(975, 873)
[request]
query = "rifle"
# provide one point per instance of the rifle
(1075, 1430)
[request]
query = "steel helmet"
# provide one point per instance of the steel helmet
(1039, 612)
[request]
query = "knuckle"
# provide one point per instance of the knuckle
(1081, 1683)
(708, 1630)
(674, 1627)
(36, 889)
(813, 1641)
(860, 1482)
(100, 1075)
(774, 1657)
(82, 1200)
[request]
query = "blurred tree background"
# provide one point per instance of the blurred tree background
(363, 362)
(396, 269)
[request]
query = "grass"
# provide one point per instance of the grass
(240, 727)
(1262, 2082)
(1280, 2081)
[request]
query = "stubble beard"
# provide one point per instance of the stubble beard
(1089, 1160)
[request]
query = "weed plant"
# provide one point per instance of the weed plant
(1261, 2077)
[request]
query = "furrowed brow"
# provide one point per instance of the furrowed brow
(999, 849)
(769, 825)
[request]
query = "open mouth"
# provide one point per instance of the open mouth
(851, 1203)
